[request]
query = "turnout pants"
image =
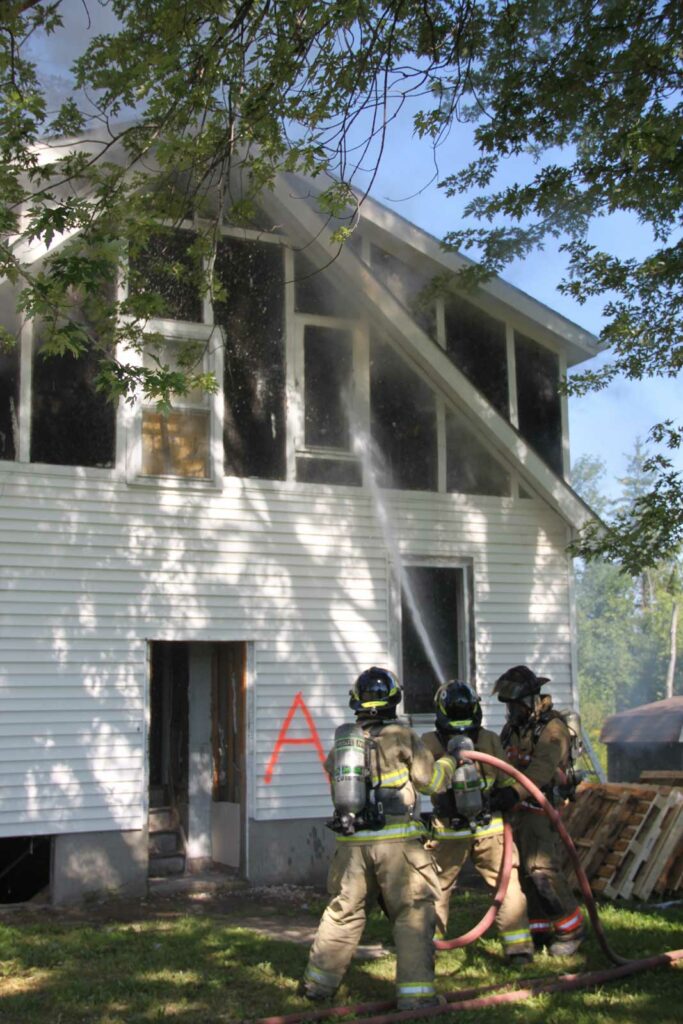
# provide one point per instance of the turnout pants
(487, 856)
(406, 876)
(554, 913)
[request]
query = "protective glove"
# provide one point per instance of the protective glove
(503, 798)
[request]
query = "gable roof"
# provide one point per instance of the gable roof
(289, 204)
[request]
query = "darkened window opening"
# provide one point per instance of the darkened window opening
(164, 277)
(9, 403)
(439, 594)
(538, 400)
(315, 290)
(24, 867)
(328, 378)
(403, 421)
(251, 313)
(407, 285)
(343, 472)
(470, 467)
(476, 344)
(72, 423)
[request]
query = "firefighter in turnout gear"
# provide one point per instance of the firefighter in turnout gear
(538, 742)
(455, 838)
(380, 852)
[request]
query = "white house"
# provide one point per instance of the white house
(187, 599)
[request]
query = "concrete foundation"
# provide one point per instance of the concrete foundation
(98, 864)
(298, 852)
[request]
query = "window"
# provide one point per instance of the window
(164, 276)
(403, 421)
(328, 378)
(470, 467)
(9, 402)
(538, 400)
(436, 640)
(182, 443)
(315, 290)
(407, 284)
(476, 344)
(251, 313)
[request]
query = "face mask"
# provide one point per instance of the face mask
(516, 713)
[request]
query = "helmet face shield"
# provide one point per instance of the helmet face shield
(457, 707)
(517, 683)
(376, 690)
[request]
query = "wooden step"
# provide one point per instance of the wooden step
(162, 819)
(165, 842)
(163, 865)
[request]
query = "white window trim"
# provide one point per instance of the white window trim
(130, 414)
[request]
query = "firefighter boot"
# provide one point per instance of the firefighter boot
(567, 945)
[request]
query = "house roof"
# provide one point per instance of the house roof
(660, 722)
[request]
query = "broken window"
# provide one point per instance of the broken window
(9, 401)
(470, 467)
(72, 423)
(164, 277)
(433, 606)
(251, 313)
(344, 472)
(407, 284)
(315, 290)
(538, 400)
(475, 343)
(403, 421)
(328, 378)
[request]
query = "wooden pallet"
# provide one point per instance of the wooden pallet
(629, 838)
(662, 778)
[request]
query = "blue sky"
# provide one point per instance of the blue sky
(605, 424)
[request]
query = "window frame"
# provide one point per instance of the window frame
(176, 332)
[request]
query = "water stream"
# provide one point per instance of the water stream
(366, 452)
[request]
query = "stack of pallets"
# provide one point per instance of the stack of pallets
(629, 838)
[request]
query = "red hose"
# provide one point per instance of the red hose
(489, 917)
(472, 999)
(543, 801)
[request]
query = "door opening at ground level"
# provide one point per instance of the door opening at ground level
(197, 755)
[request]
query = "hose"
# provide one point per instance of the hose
(474, 999)
(550, 811)
(489, 917)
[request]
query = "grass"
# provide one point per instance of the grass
(188, 968)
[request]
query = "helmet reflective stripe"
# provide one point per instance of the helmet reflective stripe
(372, 703)
(464, 724)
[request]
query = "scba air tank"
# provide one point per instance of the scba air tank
(349, 785)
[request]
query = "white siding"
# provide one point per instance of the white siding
(93, 569)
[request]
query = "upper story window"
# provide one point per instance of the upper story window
(9, 392)
(476, 343)
(407, 284)
(538, 400)
(163, 276)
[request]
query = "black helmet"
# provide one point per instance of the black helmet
(517, 683)
(375, 692)
(458, 708)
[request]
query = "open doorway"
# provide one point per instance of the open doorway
(197, 751)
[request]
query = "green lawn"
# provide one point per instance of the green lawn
(195, 969)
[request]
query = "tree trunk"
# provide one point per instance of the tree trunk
(672, 651)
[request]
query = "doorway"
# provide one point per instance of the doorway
(197, 746)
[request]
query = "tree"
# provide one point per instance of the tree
(590, 92)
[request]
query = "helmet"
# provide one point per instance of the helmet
(375, 692)
(457, 707)
(518, 683)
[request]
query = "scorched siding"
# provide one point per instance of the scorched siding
(94, 568)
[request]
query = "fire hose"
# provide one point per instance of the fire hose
(477, 998)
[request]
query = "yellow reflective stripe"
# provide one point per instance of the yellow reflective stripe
(411, 830)
(416, 988)
(516, 938)
(494, 828)
(325, 977)
(394, 779)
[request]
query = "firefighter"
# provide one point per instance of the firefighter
(381, 854)
(538, 743)
(455, 838)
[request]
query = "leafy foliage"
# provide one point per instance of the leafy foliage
(225, 95)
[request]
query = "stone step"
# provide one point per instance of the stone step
(164, 841)
(162, 819)
(163, 865)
